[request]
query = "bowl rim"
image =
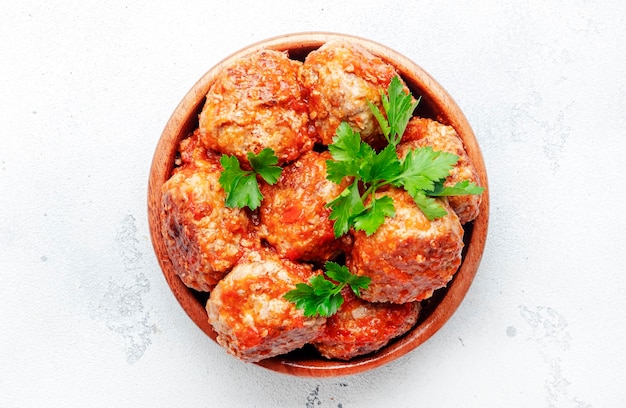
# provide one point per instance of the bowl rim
(446, 111)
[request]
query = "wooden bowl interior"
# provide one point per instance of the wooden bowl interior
(435, 104)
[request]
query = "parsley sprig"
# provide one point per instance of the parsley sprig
(398, 106)
(322, 297)
(241, 186)
(421, 172)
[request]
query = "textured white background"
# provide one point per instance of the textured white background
(86, 318)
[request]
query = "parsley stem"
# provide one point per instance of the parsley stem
(371, 190)
(376, 185)
(338, 288)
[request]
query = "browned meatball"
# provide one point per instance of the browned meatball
(422, 132)
(294, 216)
(361, 327)
(193, 155)
(257, 102)
(252, 319)
(408, 257)
(204, 239)
(341, 78)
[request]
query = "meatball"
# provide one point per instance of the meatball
(204, 239)
(408, 257)
(252, 319)
(422, 132)
(193, 155)
(341, 78)
(361, 327)
(293, 213)
(257, 102)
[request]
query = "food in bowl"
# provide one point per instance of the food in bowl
(342, 78)
(360, 327)
(204, 238)
(247, 258)
(293, 217)
(250, 314)
(258, 102)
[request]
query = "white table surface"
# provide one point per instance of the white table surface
(87, 319)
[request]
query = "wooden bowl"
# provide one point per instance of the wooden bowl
(435, 103)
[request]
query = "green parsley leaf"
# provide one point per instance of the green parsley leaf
(264, 164)
(423, 167)
(301, 296)
(332, 305)
(241, 186)
(346, 144)
(429, 206)
(351, 156)
(348, 203)
(322, 297)
(374, 215)
(381, 166)
(341, 273)
(381, 119)
(245, 193)
(464, 187)
(231, 174)
(399, 107)
(429, 163)
(421, 173)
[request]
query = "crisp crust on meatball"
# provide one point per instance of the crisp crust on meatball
(408, 257)
(341, 78)
(252, 319)
(258, 102)
(293, 213)
(204, 239)
(422, 132)
(361, 327)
